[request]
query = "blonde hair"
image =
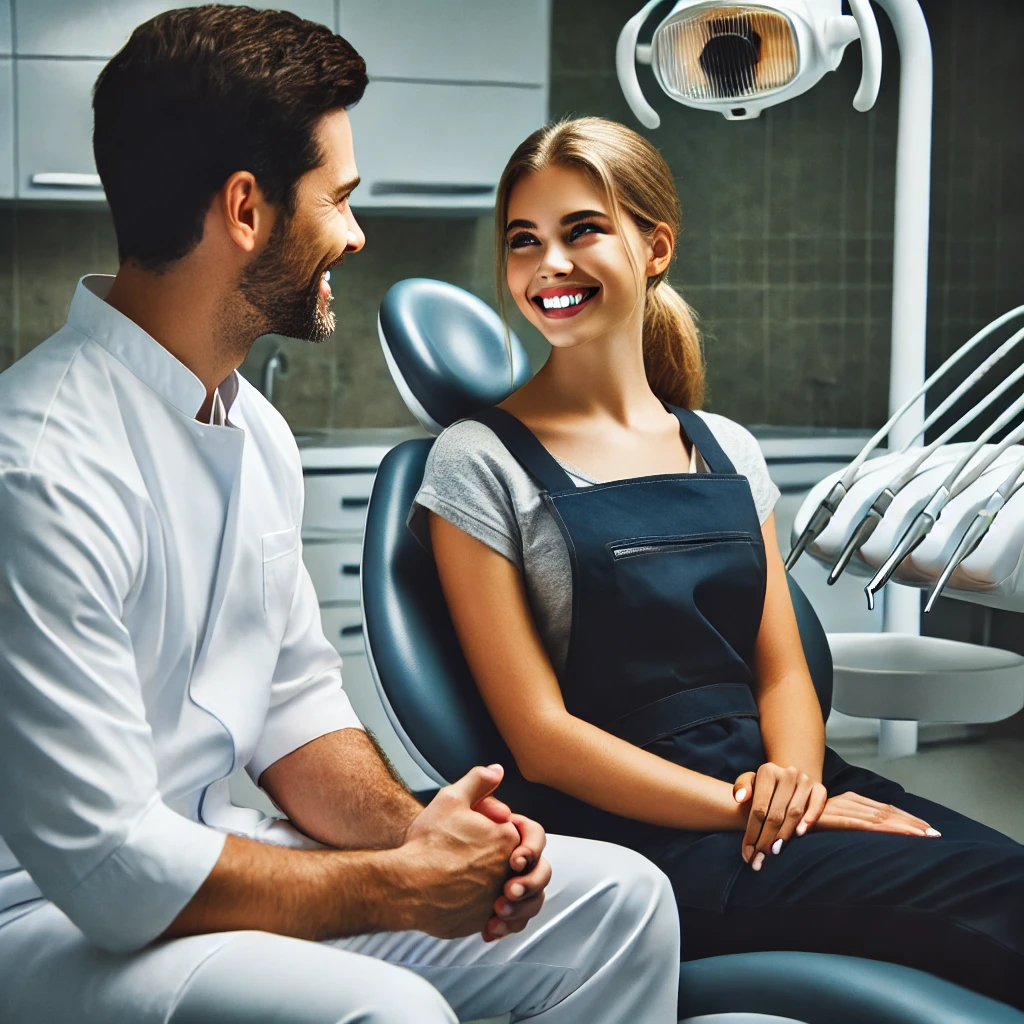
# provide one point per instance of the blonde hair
(634, 177)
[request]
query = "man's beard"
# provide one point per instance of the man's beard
(273, 286)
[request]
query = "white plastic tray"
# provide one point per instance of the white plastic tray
(924, 678)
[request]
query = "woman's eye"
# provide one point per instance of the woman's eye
(585, 228)
(520, 240)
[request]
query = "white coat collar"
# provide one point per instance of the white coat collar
(142, 354)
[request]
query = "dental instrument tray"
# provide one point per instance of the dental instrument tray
(988, 569)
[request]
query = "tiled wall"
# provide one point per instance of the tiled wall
(787, 244)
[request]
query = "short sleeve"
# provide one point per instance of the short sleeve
(465, 482)
(745, 453)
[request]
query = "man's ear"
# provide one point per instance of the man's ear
(247, 216)
(662, 245)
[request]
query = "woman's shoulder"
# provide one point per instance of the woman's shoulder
(744, 451)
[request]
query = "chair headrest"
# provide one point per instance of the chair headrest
(446, 351)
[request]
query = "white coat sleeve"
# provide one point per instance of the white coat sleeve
(79, 805)
(306, 697)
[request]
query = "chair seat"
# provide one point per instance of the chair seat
(822, 988)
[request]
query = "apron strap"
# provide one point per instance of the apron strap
(524, 447)
(700, 434)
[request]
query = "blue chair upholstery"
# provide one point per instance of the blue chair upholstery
(433, 703)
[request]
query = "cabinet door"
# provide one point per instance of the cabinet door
(434, 145)
(54, 154)
(459, 40)
(99, 28)
(6, 128)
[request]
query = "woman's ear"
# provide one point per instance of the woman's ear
(662, 244)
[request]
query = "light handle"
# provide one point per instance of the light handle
(625, 67)
(870, 55)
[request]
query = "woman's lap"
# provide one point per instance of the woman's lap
(952, 905)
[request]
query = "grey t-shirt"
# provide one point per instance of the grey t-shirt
(473, 482)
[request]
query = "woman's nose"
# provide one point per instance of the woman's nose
(555, 262)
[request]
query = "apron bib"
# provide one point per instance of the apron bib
(668, 584)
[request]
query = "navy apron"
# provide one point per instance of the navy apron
(668, 584)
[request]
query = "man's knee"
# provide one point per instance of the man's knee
(407, 998)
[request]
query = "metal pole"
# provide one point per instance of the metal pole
(902, 612)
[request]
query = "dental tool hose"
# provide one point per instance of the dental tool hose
(827, 507)
(866, 527)
(981, 524)
(951, 486)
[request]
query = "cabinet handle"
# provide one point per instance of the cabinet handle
(355, 502)
(61, 179)
(416, 188)
(352, 630)
(350, 570)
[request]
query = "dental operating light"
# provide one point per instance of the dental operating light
(738, 58)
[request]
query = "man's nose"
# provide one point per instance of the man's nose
(356, 238)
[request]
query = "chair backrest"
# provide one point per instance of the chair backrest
(449, 355)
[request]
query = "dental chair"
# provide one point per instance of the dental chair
(447, 352)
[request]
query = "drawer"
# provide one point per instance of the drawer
(334, 569)
(343, 626)
(336, 501)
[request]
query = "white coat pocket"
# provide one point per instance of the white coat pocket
(280, 558)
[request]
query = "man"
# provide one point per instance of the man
(158, 629)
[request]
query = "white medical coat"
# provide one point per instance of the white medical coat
(157, 626)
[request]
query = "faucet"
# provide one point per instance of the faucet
(277, 363)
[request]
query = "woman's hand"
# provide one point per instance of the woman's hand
(855, 812)
(783, 802)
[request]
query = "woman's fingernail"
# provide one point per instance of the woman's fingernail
(801, 828)
(758, 861)
(741, 795)
(748, 852)
(505, 910)
(517, 889)
(932, 832)
(777, 846)
(499, 930)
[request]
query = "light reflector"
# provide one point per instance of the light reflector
(717, 53)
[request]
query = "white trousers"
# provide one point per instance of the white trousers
(604, 950)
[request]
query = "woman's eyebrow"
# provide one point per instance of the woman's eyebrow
(569, 218)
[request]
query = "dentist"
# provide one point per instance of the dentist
(158, 629)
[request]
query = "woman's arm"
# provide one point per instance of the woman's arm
(791, 724)
(488, 605)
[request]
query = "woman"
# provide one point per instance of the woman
(609, 560)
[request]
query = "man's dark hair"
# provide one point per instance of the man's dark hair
(200, 93)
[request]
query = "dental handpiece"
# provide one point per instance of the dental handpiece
(866, 527)
(827, 506)
(978, 528)
(950, 487)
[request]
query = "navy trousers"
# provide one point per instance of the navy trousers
(953, 906)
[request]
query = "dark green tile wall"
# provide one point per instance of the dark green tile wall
(786, 251)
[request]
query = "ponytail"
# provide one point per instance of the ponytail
(672, 353)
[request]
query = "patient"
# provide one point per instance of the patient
(609, 560)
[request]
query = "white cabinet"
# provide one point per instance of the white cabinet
(6, 42)
(54, 138)
(6, 128)
(438, 144)
(99, 28)
(456, 41)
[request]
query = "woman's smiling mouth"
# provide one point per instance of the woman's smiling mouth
(563, 301)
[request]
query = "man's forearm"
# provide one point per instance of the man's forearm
(305, 894)
(339, 791)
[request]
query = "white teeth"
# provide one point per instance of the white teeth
(561, 301)
(327, 276)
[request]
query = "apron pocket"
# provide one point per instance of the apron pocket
(665, 545)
